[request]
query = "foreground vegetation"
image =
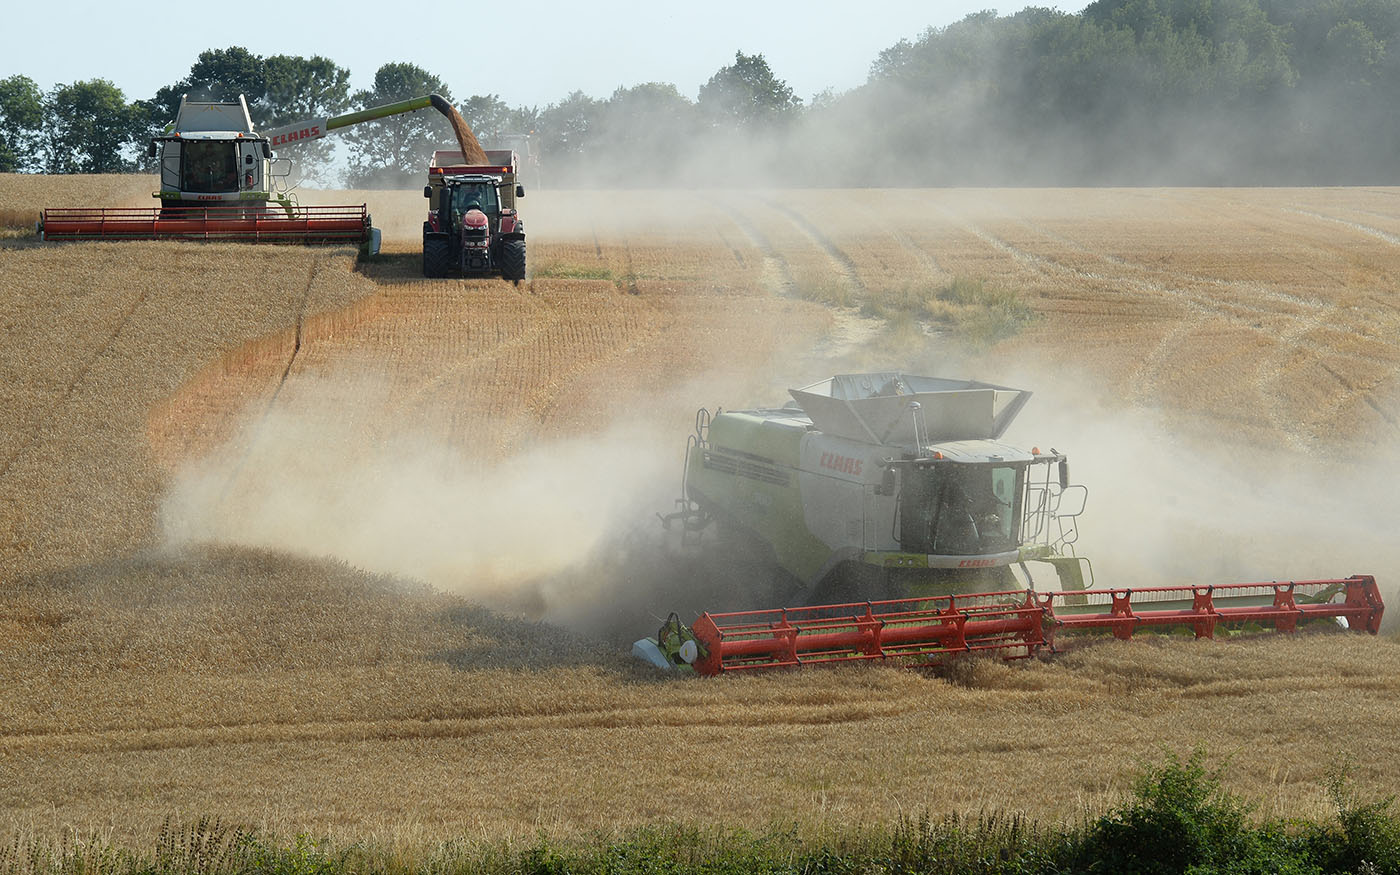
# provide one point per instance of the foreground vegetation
(1179, 819)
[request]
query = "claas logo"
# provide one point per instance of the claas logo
(844, 464)
(293, 136)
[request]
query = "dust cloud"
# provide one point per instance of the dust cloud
(1166, 507)
(564, 531)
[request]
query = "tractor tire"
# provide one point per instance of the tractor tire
(437, 258)
(513, 260)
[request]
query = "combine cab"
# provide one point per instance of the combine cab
(891, 506)
(473, 228)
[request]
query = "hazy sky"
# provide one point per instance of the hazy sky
(532, 52)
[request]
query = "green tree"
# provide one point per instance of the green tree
(487, 115)
(1353, 52)
(217, 74)
(395, 151)
(89, 127)
(300, 88)
(654, 123)
(747, 93)
(567, 127)
(21, 122)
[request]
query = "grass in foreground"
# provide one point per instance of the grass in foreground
(1179, 819)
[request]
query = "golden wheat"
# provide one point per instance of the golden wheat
(305, 694)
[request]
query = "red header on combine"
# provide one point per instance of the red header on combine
(1014, 624)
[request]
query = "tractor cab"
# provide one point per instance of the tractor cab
(473, 193)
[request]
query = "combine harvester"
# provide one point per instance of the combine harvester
(892, 507)
(219, 181)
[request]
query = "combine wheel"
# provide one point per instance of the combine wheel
(437, 256)
(513, 260)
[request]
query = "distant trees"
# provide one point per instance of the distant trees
(747, 93)
(21, 123)
(1126, 91)
(89, 127)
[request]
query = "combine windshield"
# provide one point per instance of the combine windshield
(961, 509)
(210, 166)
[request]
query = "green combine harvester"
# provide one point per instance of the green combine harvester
(889, 505)
(220, 179)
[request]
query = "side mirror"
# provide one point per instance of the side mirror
(1064, 473)
(520, 191)
(427, 191)
(151, 152)
(267, 151)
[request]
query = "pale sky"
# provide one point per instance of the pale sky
(532, 52)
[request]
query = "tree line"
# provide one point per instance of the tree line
(1123, 92)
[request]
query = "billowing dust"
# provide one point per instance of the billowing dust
(567, 531)
(1167, 509)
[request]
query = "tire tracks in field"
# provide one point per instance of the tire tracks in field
(453, 727)
(852, 329)
(1369, 231)
(1304, 316)
(298, 339)
(776, 274)
(844, 265)
(68, 390)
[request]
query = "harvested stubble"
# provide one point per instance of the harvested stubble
(392, 710)
(148, 685)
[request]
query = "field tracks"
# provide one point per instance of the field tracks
(843, 266)
(38, 428)
(1368, 230)
(298, 340)
(565, 716)
(777, 276)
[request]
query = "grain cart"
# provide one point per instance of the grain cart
(473, 228)
(220, 180)
(892, 508)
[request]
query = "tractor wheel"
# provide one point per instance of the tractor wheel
(513, 260)
(437, 257)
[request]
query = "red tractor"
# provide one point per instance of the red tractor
(472, 227)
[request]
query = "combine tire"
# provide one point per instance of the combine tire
(437, 257)
(513, 260)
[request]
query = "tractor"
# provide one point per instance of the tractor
(473, 228)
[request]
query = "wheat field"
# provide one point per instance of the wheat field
(317, 545)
